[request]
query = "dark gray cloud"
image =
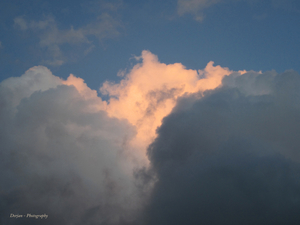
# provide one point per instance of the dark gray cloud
(231, 157)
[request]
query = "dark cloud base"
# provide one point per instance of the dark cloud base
(231, 158)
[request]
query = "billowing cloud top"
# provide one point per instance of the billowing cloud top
(169, 146)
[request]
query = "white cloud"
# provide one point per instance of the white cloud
(61, 152)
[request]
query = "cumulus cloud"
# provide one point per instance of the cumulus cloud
(52, 38)
(61, 154)
(68, 153)
(232, 157)
(226, 150)
(150, 90)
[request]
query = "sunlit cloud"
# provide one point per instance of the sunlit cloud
(66, 135)
(206, 143)
(150, 91)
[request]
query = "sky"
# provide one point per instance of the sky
(150, 112)
(96, 39)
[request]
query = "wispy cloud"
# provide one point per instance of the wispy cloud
(195, 7)
(52, 38)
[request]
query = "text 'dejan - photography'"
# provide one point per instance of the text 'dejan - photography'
(28, 216)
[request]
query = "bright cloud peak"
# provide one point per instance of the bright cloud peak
(144, 96)
(150, 90)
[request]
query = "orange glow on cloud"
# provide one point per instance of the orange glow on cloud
(148, 93)
(86, 92)
(81, 87)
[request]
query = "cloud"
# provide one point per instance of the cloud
(150, 90)
(195, 7)
(52, 38)
(170, 146)
(62, 155)
(68, 153)
(20, 23)
(232, 157)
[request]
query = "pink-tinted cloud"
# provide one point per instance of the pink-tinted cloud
(150, 90)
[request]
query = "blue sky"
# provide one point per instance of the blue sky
(113, 113)
(95, 39)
